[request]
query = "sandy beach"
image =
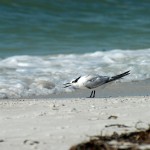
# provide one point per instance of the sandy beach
(57, 123)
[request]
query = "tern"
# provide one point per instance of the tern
(93, 81)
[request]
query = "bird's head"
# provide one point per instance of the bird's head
(73, 83)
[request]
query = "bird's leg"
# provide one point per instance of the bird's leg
(94, 94)
(91, 94)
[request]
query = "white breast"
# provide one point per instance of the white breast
(82, 81)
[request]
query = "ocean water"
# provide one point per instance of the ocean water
(47, 43)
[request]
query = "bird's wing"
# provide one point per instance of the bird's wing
(94, 81)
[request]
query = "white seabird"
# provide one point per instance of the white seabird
(93, 81)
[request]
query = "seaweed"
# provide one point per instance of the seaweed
(134, 140)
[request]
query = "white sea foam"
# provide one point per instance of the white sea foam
(25, 76)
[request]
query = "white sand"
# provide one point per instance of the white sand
(46, 124)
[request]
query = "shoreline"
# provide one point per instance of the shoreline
(114, 89)
(60, 123)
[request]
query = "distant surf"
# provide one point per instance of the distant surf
(28, 76)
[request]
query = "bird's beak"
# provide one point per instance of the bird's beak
(67, 85)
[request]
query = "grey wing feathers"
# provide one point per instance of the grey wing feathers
(119, 76)
(96, 81)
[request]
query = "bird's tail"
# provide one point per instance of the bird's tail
(119, 76)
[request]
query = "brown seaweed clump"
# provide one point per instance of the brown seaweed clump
(124, 141)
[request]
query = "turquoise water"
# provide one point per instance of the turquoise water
(44, 27)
